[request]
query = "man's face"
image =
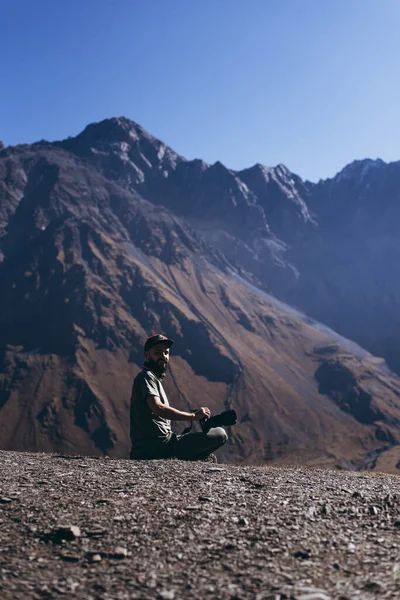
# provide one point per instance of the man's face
(159, 354)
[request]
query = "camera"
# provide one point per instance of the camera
(228, 417)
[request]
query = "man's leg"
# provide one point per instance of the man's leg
(156, 451)
(196, 446)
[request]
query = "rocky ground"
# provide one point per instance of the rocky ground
(102, 529)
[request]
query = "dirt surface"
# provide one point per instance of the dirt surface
(86, 528)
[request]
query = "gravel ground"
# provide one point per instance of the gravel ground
(101, 529)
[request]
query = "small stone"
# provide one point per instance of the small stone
(167, 595)
(60, 534)
(326, 509)
(301, 554)
(357, 495)
(96, 533)
(314, 595)
(230, 546)
(351, 547)
(119, 552)
(373, 586)
(214, 469)
(336, 566)
(95, 558)
(243, 521)
(312, 511)
(5, 500)
(75, 531)
(205, 499)
(373, 510)
(397, 523)
(69, 558)
(103, 501)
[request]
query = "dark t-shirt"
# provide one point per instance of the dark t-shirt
(149, 433)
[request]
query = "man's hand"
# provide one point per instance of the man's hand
(202, 413)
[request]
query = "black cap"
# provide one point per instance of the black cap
(157, 339)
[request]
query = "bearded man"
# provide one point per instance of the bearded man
(151, 413)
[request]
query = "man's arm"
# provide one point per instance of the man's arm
(167, 412)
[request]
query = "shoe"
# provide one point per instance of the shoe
(211, 458)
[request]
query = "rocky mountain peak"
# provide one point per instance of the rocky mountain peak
(218, 172)
(282, 171)
(198, 164)
(358, 170)
(218, 166)
(281, 195)
(116, 129)
(123, 151)
(215, 193)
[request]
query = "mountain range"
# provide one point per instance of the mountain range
(281, 295)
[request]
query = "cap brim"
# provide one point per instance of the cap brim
(168, 342)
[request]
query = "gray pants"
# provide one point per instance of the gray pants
(189, 446)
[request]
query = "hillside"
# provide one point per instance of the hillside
(100, 528)
(329, 248)
(93, 261)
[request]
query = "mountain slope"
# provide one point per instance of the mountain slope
(90, 267)
(329, 248)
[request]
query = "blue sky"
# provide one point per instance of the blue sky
(313, 84)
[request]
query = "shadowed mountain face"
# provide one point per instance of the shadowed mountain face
(328, 248)
(111, 236)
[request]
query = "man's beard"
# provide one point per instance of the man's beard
(159, 368)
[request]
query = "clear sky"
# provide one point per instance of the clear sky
(313, 84)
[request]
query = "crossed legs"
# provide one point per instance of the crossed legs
(196, 446)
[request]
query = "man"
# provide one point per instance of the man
(151, 414)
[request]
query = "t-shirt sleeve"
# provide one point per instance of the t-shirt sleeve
(148, 387)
